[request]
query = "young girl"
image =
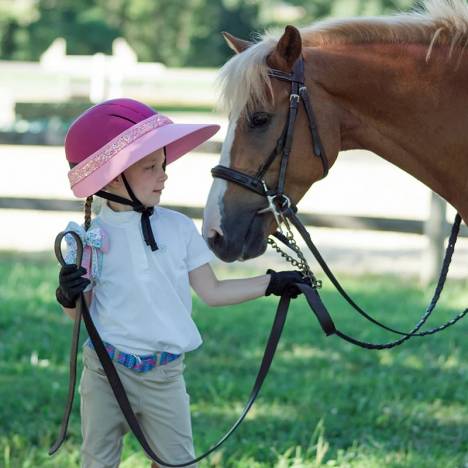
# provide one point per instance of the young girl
(139, 263)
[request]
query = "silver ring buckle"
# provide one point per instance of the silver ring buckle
(294, 97)
(273, 207)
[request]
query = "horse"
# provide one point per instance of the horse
(393, 85)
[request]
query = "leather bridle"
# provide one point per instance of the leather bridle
(277, 198)
(280, 205)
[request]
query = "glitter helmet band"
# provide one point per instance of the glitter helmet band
(108, 138)
(111, 149)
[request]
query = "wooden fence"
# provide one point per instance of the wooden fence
(435, 228)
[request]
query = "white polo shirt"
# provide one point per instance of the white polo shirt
(142, 300)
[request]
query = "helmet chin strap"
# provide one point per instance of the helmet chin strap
(146, 212)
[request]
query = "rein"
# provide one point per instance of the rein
(283, 210)
(118, 389)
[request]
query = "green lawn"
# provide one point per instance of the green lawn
(325, 403)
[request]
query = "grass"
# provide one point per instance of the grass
(324, 403)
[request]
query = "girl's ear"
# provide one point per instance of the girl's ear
(114, 183)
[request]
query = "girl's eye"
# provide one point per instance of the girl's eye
(154, 166)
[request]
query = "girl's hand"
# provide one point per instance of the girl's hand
(283, 281)
(71, 284)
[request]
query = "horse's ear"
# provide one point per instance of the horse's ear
(236, 44)
(287, 51)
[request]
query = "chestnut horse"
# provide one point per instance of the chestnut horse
(396, 86)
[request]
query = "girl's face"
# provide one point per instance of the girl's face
(146, 178)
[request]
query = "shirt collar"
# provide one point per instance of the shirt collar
(108, 215)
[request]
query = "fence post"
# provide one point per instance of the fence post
(98, 79)
(435, 230)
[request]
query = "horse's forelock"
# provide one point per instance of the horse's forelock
(244, 79)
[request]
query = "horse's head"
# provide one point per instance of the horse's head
(259, 106)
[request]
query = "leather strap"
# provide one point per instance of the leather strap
(312, 123)
(292, 115)
(412, 333)
(116, 384)
(240, 178)
(297, 79)
(74, 344)
(146, 212)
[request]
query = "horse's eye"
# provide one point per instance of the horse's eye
(259, 119)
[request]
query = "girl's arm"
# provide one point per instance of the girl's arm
(225, 292)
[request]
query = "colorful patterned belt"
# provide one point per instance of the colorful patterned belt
(138, 363)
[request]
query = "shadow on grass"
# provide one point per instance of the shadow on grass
(408, 399)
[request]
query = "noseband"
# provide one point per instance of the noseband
(277, 200)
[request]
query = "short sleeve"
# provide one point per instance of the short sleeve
(198, 252)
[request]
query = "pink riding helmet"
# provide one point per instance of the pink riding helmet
(109, 137)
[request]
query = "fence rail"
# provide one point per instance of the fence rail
(337, 221)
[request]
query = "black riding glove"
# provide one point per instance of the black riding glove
(71, 284)
(283, 282)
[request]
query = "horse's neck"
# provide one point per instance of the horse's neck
(403, 108)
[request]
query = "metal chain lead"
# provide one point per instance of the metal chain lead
(301, 264)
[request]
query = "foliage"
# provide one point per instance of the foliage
(324, 403)
(174, 32)
(69, 110)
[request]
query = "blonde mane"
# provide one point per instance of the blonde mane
(244, 78)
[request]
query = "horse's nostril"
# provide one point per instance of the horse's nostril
(215, 240)
(214, 232)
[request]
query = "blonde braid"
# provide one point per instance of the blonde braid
(87, 208)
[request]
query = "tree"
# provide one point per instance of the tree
(174, 32)
(14, 18)
(239, 17)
